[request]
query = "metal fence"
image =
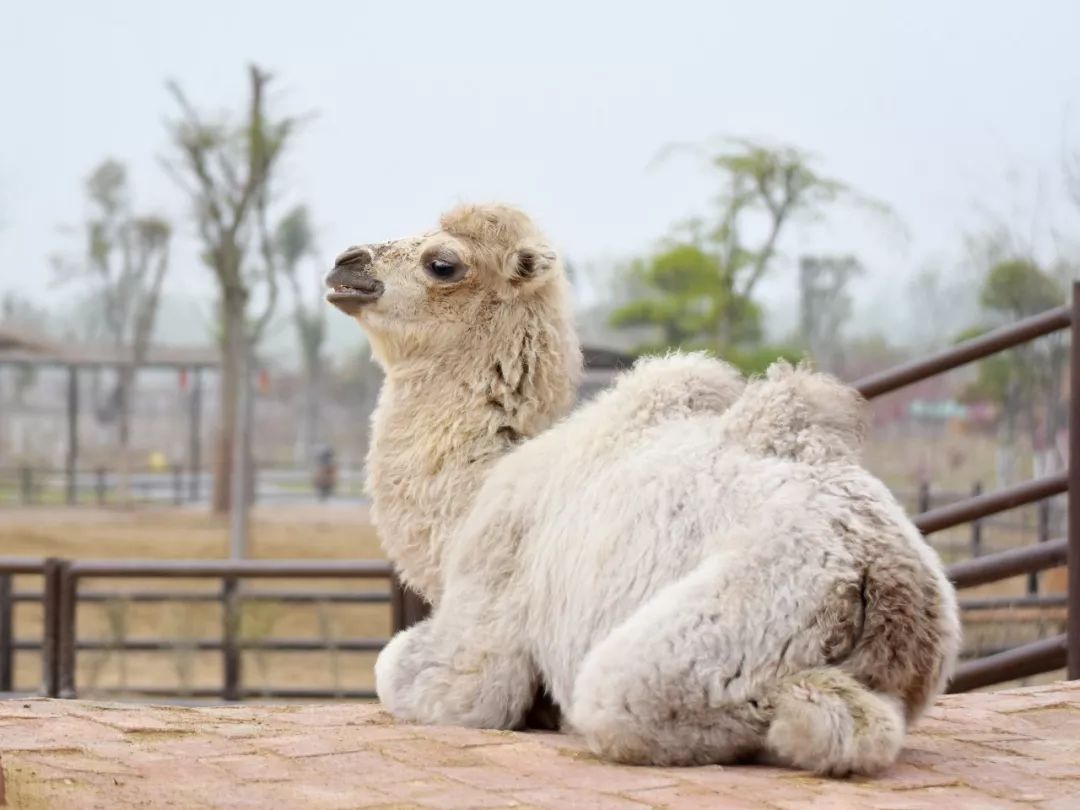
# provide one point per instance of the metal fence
(35, 485)
(1048, 654)
(61, 592)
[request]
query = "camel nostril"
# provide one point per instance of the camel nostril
(358, 255)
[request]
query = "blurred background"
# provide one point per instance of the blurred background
(859, 184)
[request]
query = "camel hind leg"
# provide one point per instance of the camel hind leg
(734, 662)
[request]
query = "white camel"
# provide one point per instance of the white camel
(696, 569)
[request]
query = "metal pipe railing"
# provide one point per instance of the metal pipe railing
(1072, 631)
(218, 645)
(1033, 601)
(1005, 337)
(229, 572)
(990, 503)
(1024, 661)
(61, 595)
(244, 569)
(303, 597)
(1011, 563)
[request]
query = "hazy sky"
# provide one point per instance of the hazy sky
(558, 107)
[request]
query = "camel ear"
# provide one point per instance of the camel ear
(530, 262)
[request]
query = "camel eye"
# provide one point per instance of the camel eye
(443, 270)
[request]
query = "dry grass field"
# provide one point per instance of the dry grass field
(330, 532)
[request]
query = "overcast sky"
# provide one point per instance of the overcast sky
(558, 107)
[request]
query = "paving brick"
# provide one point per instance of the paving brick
(690, 797)
(553, 798)
(431, 753)
(441, 792)
(1016, 749)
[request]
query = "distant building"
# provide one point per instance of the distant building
(601, 366)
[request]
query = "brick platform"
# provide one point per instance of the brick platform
(1008, 749)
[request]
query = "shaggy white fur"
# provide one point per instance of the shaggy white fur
(697, 571)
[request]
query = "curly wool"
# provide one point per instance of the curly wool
(698, 573)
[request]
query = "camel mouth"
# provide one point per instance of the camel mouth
(351, 299)
(351, 288)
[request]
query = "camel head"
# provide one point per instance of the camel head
(425, 294)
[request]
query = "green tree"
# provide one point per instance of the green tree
(1025, 382)
(698, 290)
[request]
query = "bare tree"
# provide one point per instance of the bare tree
(825, 306)
(228, 168)
(126, 259)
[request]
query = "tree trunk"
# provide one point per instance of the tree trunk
(232, 316)
(241, 477)
(127, 385)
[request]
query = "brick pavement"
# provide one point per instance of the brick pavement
(1011, 749)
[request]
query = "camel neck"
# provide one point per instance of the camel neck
(441, 425)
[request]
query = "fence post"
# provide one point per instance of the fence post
(230, 631)
(407, 607)
(1043, 536)
(26, 484)
(924, 497)
(177, 484)
(99, 485)
(7, 638)
(50, 633)
(194, 440)
(976, 525)
(66, 629)
(1072, 633)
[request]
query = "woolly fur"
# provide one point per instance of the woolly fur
(695, 568)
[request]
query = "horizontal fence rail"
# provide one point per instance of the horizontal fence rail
(230, 572)
(213, 644)
(1035, 658)
(1005, 337)
(62, 594)
(244, 569)
(980, 506)
(1011, 563)
(304, 597)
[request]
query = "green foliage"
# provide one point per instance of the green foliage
(756, 359)
(1019, 288)
(685, 296)
(697, 290)
(1023, 380)
(996, 374)
(295, 237)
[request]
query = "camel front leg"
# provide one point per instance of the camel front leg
(460, 667)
